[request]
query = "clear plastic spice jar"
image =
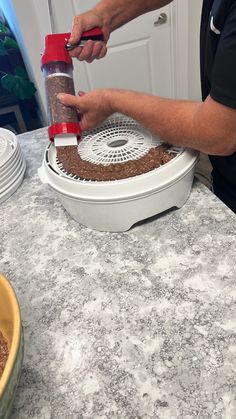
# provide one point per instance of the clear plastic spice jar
(59, 79)
(57, 69)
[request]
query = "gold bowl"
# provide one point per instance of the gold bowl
(11, 328)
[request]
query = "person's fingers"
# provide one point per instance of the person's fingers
(69, 100)
(75, 52)
(86, 51)
(102, 52)
(85, 22)
(80, 113)
(76, 31)
(97, 47)
(93, 51)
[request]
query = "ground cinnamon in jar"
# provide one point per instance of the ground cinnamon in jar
(4, 352)
(57, 112)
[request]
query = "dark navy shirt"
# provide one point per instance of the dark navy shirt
(218, 79)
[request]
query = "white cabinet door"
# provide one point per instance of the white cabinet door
(139, 54)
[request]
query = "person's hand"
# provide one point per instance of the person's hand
(93, 107)
(91, 50)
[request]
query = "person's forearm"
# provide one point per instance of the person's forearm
(181, 123)
(116, 13)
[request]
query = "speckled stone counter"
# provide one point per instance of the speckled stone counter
(132, 325)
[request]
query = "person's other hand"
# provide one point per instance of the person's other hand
(91, 50)
(93, 107)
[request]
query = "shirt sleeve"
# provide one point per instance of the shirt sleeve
(223, 81)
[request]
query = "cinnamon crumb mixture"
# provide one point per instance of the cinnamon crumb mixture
(3, 353)
(72, 163)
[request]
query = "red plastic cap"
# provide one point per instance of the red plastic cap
(55, 49)
(64, 128)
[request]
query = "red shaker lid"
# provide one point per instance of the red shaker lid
(55, 49)
(64, 128)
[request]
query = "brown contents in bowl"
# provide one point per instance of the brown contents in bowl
(73, 164)
(3, 353)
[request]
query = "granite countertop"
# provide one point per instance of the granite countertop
(140, 324)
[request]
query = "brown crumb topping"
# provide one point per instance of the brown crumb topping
(73, 164)
(3, 353)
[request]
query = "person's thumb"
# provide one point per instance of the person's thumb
(69, 100)
(76, 33)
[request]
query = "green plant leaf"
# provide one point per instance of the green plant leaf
(10, 43)
(13, 85)
(30, 90)
(3, 28)
(3, 50)
(20, 72)
(19, 86)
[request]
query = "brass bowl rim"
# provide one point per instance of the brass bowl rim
(16, 335)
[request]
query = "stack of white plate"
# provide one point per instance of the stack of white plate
(12, 164)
